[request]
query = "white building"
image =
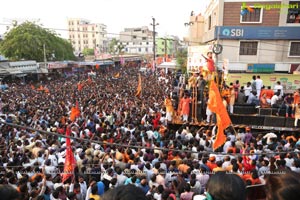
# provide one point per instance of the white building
(86, 35)
(137, 40)
(21, 68)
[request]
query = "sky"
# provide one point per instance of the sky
(115, 14)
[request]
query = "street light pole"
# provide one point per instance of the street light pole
(154, 45)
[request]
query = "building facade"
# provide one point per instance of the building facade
(256, 36)
(137, 40)
(86, 35)
(196, 28)
(166, 46)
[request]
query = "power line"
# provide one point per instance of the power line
(153, 38)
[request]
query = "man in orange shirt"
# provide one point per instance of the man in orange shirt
(212, 163)
(210, 62)
(269, 93)
(185, 107)
(296, 100)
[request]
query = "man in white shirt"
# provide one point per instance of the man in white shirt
(247, 90)
(274, 100)
(278, 88)
(259, 85)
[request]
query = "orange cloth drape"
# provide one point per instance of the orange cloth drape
(139, 87)
(223, 121)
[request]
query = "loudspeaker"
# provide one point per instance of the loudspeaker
(244, 110)
(236, 119)
(265, 111)
(289, 122)
(254, 120)
(274, 121)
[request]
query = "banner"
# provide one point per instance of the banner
(195, 59)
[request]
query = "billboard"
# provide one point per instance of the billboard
(195, 59)
(258, 32)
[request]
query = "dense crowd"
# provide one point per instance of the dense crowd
(120, 139)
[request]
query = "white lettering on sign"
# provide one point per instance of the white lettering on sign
(237, 32)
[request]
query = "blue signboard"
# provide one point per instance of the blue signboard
(258, 32)
(261, 68)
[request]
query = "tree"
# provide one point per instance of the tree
(112, 45)
(27, 41)
(181, 59)
(88, 52)
(116, 47)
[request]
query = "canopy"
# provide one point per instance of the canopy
(167, 65)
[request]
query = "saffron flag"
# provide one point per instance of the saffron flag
(117, 75)
(216, 105)
(70, 161)
(139, 87)
(80, 86)
(41, 88)
(75, 112)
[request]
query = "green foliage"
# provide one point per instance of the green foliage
(181, 59)
(27, 41)
(112, 45)
(88, 52)
(115, 47)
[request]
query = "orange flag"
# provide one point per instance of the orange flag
(117, 75)
(70, 161)
(32, 87)
(75, 112)
(216, 105)
(41, 88)
(139, 87)
(47, 90)
(80, 86)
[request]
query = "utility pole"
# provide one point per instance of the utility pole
(154, 45)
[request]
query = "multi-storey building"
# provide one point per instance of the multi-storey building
(137, 40)
(256, 35)
(83, 34)
(166, 46)
(196, 28)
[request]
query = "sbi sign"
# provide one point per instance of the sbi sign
(233, 32)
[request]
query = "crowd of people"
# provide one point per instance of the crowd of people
(125, 148)
(256, 93)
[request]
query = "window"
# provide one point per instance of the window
(252, 16)
(162, 43)
(144, 38)
(293, 15)
(140, 49)
(248, 48)
(146, 49)
(294, 49)
(147, 42)
(134, 37)
(126, 49)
